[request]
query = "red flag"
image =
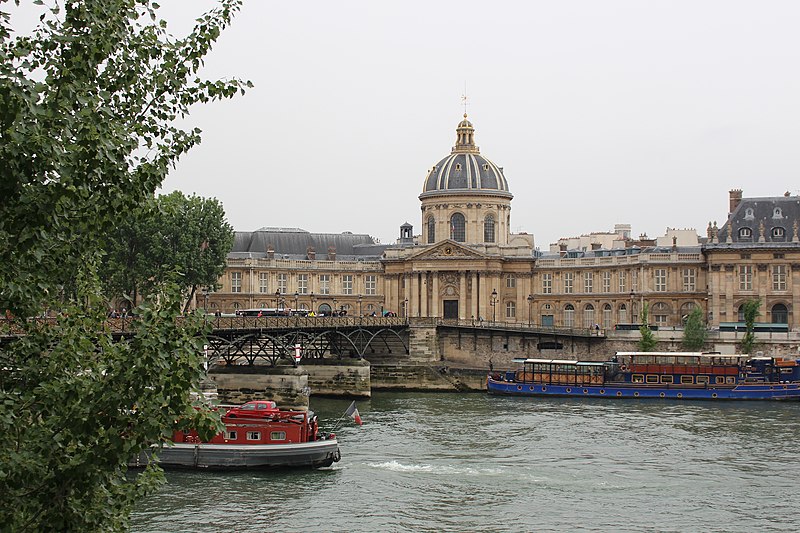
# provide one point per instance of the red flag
(353, 412)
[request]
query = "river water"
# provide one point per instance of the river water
(472, 462)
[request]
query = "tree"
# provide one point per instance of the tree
(750, 310)
(173, 233)
(694, 331)
(648, 341)
(88, 102)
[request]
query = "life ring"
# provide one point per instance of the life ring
(623, 368)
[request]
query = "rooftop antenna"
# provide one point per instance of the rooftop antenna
(464, 99)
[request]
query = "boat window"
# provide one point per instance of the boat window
(702, 379)
(253, 435)
(720, 379)
(637, 378)
(277, 435)
(667, 379)
(231, 435)
(687, 379)
(652, 378)
(730, 379)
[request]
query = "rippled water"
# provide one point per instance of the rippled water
(449, 462)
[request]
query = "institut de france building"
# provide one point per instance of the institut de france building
(466, 264)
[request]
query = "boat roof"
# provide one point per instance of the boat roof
(683, 354)
(560, 362)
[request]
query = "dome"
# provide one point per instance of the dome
(465, 170)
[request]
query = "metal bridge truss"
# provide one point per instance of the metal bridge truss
(247, 347)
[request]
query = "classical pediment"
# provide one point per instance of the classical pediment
(447, 250)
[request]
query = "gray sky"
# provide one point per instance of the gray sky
(600, 112)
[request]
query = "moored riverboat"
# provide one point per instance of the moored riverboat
(270, 438)
(678, 375)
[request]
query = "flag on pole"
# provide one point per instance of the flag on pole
(352, 411)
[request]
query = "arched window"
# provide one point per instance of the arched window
(588, 316)
(607, 316)
(777, 213)
(778, 233)
(780, 315)
(740, 314)
(569, 316)
(745, 233)
(686, 310)
(623, 314)
(748, 213)
(488, 228)
(458, 227)
(511, 310)
(661, 312)
(431, 229)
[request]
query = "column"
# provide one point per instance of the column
(483, 295)
(462, 295)
(406, 295)
(435, 296)
(474, 295)
(424, 291)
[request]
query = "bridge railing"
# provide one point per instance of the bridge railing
(523, 327)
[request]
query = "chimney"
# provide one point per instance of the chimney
(270, 252)
(311, 254)
(331, 253)
(735, 199)
(562, 249)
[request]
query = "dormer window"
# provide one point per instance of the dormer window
(458, 166)
(778, 233)
(776, 213)
(745, 233)
(486, 166)
(748, 213)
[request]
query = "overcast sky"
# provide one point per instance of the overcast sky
(600, 112)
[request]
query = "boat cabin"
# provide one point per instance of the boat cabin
(559, 372)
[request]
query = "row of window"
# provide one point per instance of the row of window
(256, 435)
(660, 278)
(778, 277)
(458, 228)
(323, 286)
(685, 380)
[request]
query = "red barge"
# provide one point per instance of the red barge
(257, 435)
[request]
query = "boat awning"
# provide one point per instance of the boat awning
(559, 362)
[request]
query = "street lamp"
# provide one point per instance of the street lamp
(360, 298)
(405, 308)
(493, 303)
(277, 299)
(530, 309)
(296, 299)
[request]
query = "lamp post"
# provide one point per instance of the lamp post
(296, 299)
(277, 299)
(530, 309)
(493, 303)
(205, 305)
(360, 298)
(405, 308)
(333, 313)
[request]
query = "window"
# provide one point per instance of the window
(622, 281)
(236, 282)
(667, 379)
(720, 379)
(661, 313)
(687, 380)
(745, 277)
(569, 316)
(230, 435)
(588, 316)
(637, 378)
(778, 277)
(660, 276)
(606, 281)
(568, 279)
(347, 284)
(263, 282)
(431, 229)
(547, 283)
(702, 380)
(689, 279)
(302, 283)
(282, 282)
(277, 435)
(778, 233)
(458, 227)
(511, 281)
(776, 213)
(511, 310)
(780, 314)
(324, 283)
(458, 166)
(634, 280)
(369, 284)
(745, 233)
(253, 435)
(588, 280)
(623, 314)
(740, 314)
(652, 378)
(607, 316)
(488, 229)
(748, 213)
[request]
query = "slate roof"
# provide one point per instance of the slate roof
(777, 217)
(293, 243)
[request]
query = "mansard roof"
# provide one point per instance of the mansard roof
(762, 220)
(294, 243)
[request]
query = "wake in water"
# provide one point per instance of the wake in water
(394, 466)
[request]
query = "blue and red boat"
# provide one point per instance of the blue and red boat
(678, 375)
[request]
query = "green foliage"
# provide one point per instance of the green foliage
(694, 331)
(648, 341)
(88, 102)
(172, 233)
(750, 310)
